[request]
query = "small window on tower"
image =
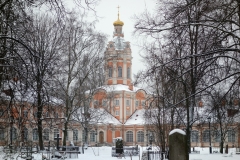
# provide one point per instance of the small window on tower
(119, 71)
(136, 103)
(127, 102)
(128, 72)
(110, 72)
(117, 102)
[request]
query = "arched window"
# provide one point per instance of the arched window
(35, 134)
(194, 136)
(46, 134)
(119, 71)
(140, 136)
(1, 134)
(75, 135)
(206, 135)
(128, 72)
(55, 132)
(129, 136)
(110, 72)
(231, 135)
(92, 136)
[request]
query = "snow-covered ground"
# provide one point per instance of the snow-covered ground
(104, 153)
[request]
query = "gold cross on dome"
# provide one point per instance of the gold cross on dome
(118, 11)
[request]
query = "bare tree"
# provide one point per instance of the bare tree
(197, 32)
(81, 59)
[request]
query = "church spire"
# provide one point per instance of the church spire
(118, 22)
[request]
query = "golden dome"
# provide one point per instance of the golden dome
(118, 22)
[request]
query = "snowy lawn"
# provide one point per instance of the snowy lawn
(104, 153)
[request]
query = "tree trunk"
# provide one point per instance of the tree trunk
(39, 118)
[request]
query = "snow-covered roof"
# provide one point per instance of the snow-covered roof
(97, 116)
(119, 87)
(137, 118)
(26, 95)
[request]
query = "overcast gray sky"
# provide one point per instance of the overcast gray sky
(107, 11)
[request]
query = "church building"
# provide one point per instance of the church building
(118, 96)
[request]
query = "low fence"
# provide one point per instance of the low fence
(155, 155)
(128, 151)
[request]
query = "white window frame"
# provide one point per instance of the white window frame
(92, 136)
(205, 135)
(117, 112)
(136, 103)
(117, 103)
(231, 136)
(129, 136)
(104, 103)
(35, 134)
(55, 132)
(128, 102)
(75, 135)
(128, 72)
(46, 133)
(194, 136)
(127, 112)
(140, 136)
(110, 72)
(143, 103)
(119, 71)
(2, 134)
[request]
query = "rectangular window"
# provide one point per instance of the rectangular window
(46, 134)
(128, 102)
(117, 113)
(110, 72)
(104, 103)
(217, 136)
(136, 103)
(206, 136)
(119, 71)
(75, 135)
(92, 136)
(1, 134)
(194, 136)
(1, 112)
(127, 112)
(83, 136)
(56, 131)
(35, 134)
(56, 115)
(117, 102)
(128, 72)
(25, 114)
(95, 103)
(231, 135)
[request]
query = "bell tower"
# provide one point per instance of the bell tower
(118, 58)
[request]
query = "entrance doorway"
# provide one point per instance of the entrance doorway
(101, 137)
